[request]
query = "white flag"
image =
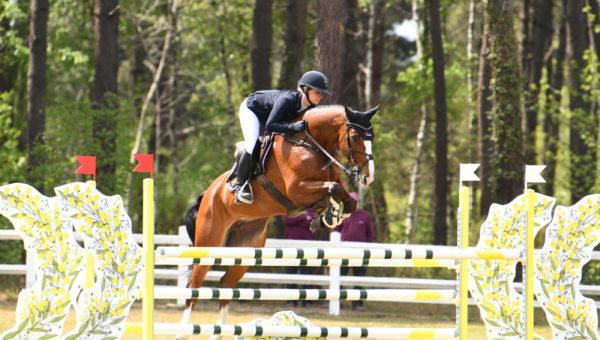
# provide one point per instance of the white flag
(467, 172)
(533, 174)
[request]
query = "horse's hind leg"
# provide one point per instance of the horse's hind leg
(245, 234)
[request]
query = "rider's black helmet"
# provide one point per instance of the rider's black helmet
(315, 80)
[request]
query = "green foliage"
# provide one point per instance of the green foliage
(11, 158)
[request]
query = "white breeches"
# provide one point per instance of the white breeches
(250, 127)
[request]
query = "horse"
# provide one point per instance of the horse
(304, 168)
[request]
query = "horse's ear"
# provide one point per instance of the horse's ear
(351, 114)
(372, 112)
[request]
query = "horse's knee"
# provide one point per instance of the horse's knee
(350, 205)
(335, 190)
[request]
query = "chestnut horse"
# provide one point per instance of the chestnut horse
(300, 169)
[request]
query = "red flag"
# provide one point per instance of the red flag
(145, 163)
(87, 167)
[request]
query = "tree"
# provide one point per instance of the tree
(103, 96)
(554, 70)
(294, 39)
(441, 126)
(373, 80)
(595, 12)
(352, 56)
(541, 33)
(484, 119)
(330, 43)
(584, 121)
(260, 46)
(422, 60)
(506, 98)
(36, 87)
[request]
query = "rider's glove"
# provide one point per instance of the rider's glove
(298, 126)
(290, 128)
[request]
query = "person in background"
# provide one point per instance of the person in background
(358, 227)
(298, 228)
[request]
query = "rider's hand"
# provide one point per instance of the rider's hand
(299, 126)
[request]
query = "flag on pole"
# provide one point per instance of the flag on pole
(467, 172)
(533, 174)
(145, 163)
(87, 166)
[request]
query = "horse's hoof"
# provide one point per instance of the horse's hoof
(316, 226)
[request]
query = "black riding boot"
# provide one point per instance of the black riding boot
(243, 194)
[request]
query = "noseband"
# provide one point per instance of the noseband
(366, 134)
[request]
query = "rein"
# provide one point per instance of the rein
(332, 159)
(314, 144)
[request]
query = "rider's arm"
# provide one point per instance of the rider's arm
(278, 116)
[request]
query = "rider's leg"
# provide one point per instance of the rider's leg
(250, 130)
(244, 193)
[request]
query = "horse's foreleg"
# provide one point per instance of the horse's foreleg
(312, 191)
(340, 204)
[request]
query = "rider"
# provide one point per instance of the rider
(268, 111)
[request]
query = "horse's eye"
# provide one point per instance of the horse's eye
(355, 138)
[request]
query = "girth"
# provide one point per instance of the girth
(276, 194)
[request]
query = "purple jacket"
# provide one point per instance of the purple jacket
(298, 227)
(358, 227)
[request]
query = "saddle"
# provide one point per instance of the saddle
(328, 217)
(260, 156)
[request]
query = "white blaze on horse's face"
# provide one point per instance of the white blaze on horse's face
(367, 180)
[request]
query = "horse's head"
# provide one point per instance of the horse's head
(356, 142)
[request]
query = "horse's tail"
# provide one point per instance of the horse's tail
(190, 218)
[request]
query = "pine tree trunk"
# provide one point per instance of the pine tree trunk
(541, 40)
(484, 120)
(376, 29)
(106, 14)
(595, 9)
(506, 102)
(441, 127)
(330, 44)
(413, 193)
(555, 66)
(526, 41)
(375, 33)
(260, 46)
(583, 124)
(139, 74)
(470, 106)
(352, 58)
(229, 142)
(36, 89)
(412, 209)
(174, 103)
(294, 39)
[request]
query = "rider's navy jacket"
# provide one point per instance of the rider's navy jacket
(275, 106)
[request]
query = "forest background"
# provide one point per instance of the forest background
(503, 83)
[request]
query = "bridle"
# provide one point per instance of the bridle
(364, 132)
